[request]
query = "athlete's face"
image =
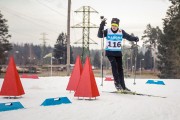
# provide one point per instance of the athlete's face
(114, 28)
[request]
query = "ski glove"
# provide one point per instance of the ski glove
(136, 39)
(103, 23)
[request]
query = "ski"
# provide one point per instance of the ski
(133, 93)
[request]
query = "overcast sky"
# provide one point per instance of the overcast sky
(28, 19)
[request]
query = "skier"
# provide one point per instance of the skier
(114, 36)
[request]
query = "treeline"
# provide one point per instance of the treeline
(29, 54)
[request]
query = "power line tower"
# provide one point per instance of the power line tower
(43, 45)
(85, 25)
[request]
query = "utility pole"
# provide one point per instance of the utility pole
(85, 25)
(68, 38)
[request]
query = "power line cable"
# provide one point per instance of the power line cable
(25, 15)
(27, 18)
(72, 11)
(51, 8)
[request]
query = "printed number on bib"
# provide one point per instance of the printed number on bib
(114, 44)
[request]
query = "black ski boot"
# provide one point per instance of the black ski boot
(126, 90)
(118, 87)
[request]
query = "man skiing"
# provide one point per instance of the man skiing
(114, 37)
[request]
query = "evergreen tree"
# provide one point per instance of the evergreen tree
(169, 44)
(96, 61)
(140, 58)
(148, 60)
(134, 54)
(4, 42)
(150, 37)
(4, 36)
(77, 51)
(60, 49)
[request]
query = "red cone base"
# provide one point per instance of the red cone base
(109, 78)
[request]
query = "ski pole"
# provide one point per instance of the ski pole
(102, 52)
(135, 65)
(102, 58)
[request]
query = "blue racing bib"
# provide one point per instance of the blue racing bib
(113, 40)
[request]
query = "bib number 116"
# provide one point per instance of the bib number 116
(114, 44)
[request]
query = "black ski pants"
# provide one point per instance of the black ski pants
(117, 70)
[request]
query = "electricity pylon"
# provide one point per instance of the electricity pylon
(85, 25)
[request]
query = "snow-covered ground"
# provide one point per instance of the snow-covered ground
(107, 106)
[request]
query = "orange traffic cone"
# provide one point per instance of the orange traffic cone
(87, 85)
(12, 85)
(75, 76)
